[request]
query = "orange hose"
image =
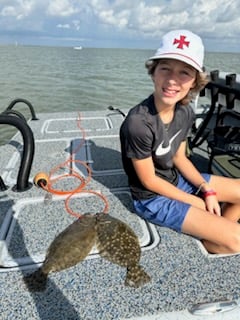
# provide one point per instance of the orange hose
(78, 215)
(82, 181)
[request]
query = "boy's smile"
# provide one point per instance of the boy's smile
(172, 80)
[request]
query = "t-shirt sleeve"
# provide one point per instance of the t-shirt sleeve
(189, 119)
(138, 137)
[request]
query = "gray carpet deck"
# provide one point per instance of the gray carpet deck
(182, 273)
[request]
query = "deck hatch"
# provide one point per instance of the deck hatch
(103, 154)
(70, 125)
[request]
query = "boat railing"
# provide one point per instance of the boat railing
(12, 104)
(17, 120)
(224, 93)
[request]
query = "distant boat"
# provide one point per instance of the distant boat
(78, 48)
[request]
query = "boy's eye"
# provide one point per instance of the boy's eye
(185, 72)
(188, 73)
(164, 68)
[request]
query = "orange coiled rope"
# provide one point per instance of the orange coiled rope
(50, 181)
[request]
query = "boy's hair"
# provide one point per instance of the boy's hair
(202, 79)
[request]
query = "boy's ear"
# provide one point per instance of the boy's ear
(193, 85)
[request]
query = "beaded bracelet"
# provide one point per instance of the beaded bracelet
(209, 193)
(200, 187)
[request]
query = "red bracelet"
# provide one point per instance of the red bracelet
(209, 193)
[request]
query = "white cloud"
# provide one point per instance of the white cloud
(8, 11)
(122, 19)
(152, 20)
(119, 20)
(18, 9)
(76, 24)
(62, 8)
(63, 26)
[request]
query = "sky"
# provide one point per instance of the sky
(119, 23)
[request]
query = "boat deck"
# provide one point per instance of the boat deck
(182, 272)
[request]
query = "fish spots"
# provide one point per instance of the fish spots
(114, 239)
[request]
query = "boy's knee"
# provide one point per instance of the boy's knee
(234, 243)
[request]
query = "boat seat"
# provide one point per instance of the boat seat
(224, 145)
(226, 165)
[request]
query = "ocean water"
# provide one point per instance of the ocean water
(63, 79)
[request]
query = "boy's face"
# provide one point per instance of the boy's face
(172, 81)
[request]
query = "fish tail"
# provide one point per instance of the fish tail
(136, 277)
(36, 281)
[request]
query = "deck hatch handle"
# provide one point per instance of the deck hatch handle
(211, 308)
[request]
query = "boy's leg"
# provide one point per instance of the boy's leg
(231, 211)
(218, 234)
(228, 189)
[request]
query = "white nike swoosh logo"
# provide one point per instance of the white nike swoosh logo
(164, 150)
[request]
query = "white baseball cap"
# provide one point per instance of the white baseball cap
(181, 45)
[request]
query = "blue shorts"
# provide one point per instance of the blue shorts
(164, 211)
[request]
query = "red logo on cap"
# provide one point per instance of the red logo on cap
(181, 42)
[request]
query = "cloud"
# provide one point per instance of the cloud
(121, 22)
(18, 9)
(154, 20)
(63, 26)
(8, 11)
(64, 8)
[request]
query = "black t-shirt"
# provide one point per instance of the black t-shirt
(144, 135)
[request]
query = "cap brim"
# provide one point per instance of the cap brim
(179, 57)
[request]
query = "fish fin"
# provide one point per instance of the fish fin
(36, 281)
(136, 277)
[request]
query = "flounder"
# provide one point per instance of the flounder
(70, 247)
(114, 239)
(118, 243)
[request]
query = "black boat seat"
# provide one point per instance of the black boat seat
(226, 165)
(224, 145)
